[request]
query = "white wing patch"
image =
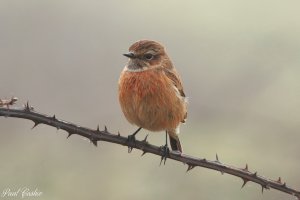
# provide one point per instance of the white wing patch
(179, 95)
(177, 130)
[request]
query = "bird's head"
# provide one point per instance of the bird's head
(146, 54)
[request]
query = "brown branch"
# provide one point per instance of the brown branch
(96, 135)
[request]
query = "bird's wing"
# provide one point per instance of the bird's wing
(174, 77)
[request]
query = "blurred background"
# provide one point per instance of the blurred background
(239, 62)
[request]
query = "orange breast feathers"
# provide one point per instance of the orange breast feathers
(150, 100)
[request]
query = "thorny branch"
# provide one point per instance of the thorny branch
(27, 112)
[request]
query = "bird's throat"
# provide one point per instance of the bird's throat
(136, 67)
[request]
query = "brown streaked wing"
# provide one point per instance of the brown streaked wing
(173, 75)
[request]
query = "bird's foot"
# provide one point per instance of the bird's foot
(165, 153)
(131, 142)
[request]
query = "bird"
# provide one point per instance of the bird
(151, 92)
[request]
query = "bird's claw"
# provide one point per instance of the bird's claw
(165, 153)
(131, 141)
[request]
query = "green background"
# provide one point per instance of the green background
(239, 61)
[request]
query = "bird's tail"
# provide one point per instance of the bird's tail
(174, 141)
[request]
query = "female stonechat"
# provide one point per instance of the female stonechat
(151, 92)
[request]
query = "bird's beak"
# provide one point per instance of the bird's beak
(129, 55)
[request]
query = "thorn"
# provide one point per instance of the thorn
(190, 167)
(94, 141)
(145, 139)
(144, 152)
(27, 107)
(98, 130)
(263, 187)
(279, 180)
(54, 117)
(246, 168)
(119, 134)
(204, 160)
(217, 159)
(35, 124)
(105, 129)
(254, 174)
(284, 184)
(244, 182)
(69, 134)
(266, 186)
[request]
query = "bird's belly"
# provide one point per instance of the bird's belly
(149, 100)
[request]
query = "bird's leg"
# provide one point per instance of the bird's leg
(165, 151)
(131, 139)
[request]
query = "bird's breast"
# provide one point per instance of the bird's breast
(149, 100)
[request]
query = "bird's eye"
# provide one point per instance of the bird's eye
(148, 56)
